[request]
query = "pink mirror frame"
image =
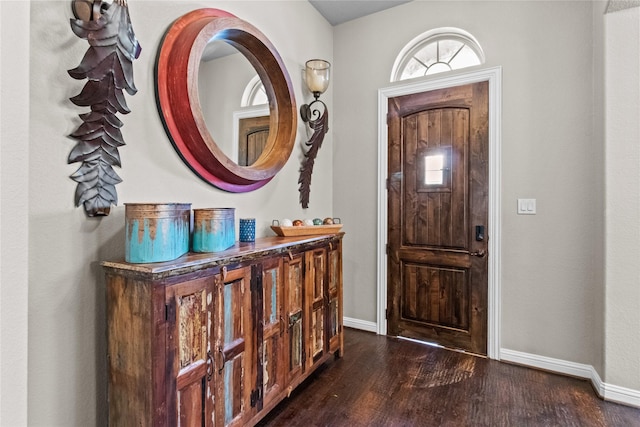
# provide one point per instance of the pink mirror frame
(179, 106)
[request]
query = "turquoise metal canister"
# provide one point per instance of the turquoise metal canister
(214, 229)
(156, 232)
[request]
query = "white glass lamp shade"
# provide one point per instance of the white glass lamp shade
(317, 75)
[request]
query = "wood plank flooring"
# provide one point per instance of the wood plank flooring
(384, 381)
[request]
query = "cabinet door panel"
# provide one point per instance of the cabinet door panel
(273, 329)
(190, 405)
(294, 299)
(317, 331)
(335, 296)
(316, 290)
(192, 302)
(234, 328)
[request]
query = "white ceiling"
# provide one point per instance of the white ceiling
(339, 11)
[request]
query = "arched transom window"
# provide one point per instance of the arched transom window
(254, 93)
(442, 49)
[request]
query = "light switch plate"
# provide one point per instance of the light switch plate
(526, 206)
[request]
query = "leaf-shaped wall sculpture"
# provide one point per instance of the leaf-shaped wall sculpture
(320, 126)
(107, 65)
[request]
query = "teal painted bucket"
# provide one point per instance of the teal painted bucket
(214, 229)
(156, 232)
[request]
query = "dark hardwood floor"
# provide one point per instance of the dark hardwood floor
(384, 381)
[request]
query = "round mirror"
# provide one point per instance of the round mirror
(177, 77)
(234, 103)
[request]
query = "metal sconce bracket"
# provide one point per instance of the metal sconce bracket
(318, 121)
(317, 80)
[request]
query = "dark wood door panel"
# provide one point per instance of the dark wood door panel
(253, 134)
(437, 195)
(458, 96)
(255, 145)
(452, 258)
(435, 215)
(435, 296)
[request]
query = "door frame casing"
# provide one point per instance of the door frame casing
(494, 77)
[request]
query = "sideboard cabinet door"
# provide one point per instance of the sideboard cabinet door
(190, 345)
(294, 297)
(316, 304)
(136, 352)
(334, 328)
(235, 370)
(273, 358)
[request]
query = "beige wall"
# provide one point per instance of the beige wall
(14, 200)
(598, 231)
(67, 361)
(553, 265)
(220, 97)
(554, 291)
(622, 130)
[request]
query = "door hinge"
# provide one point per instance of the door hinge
(169, 313)
(389, 117)
(386, 313)
(256, 396)
(256, 279)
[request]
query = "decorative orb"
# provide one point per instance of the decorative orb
(328, 221)
(297, 222)
(308, 222)
(317, 221)
(286, 222)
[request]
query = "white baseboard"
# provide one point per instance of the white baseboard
(547, 363)
(364, 325)
(623, 395)
(609, 392)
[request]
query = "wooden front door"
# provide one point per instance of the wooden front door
(437, 216)
(253, 134)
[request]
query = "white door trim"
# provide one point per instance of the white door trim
(494, 77)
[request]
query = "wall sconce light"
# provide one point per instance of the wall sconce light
(316, 116)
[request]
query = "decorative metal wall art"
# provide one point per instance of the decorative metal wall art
(107, 65)
(317, 79)
(320, 126)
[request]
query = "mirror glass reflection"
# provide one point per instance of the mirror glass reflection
(234, 103)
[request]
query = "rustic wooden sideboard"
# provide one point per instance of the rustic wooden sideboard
(219, 339)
